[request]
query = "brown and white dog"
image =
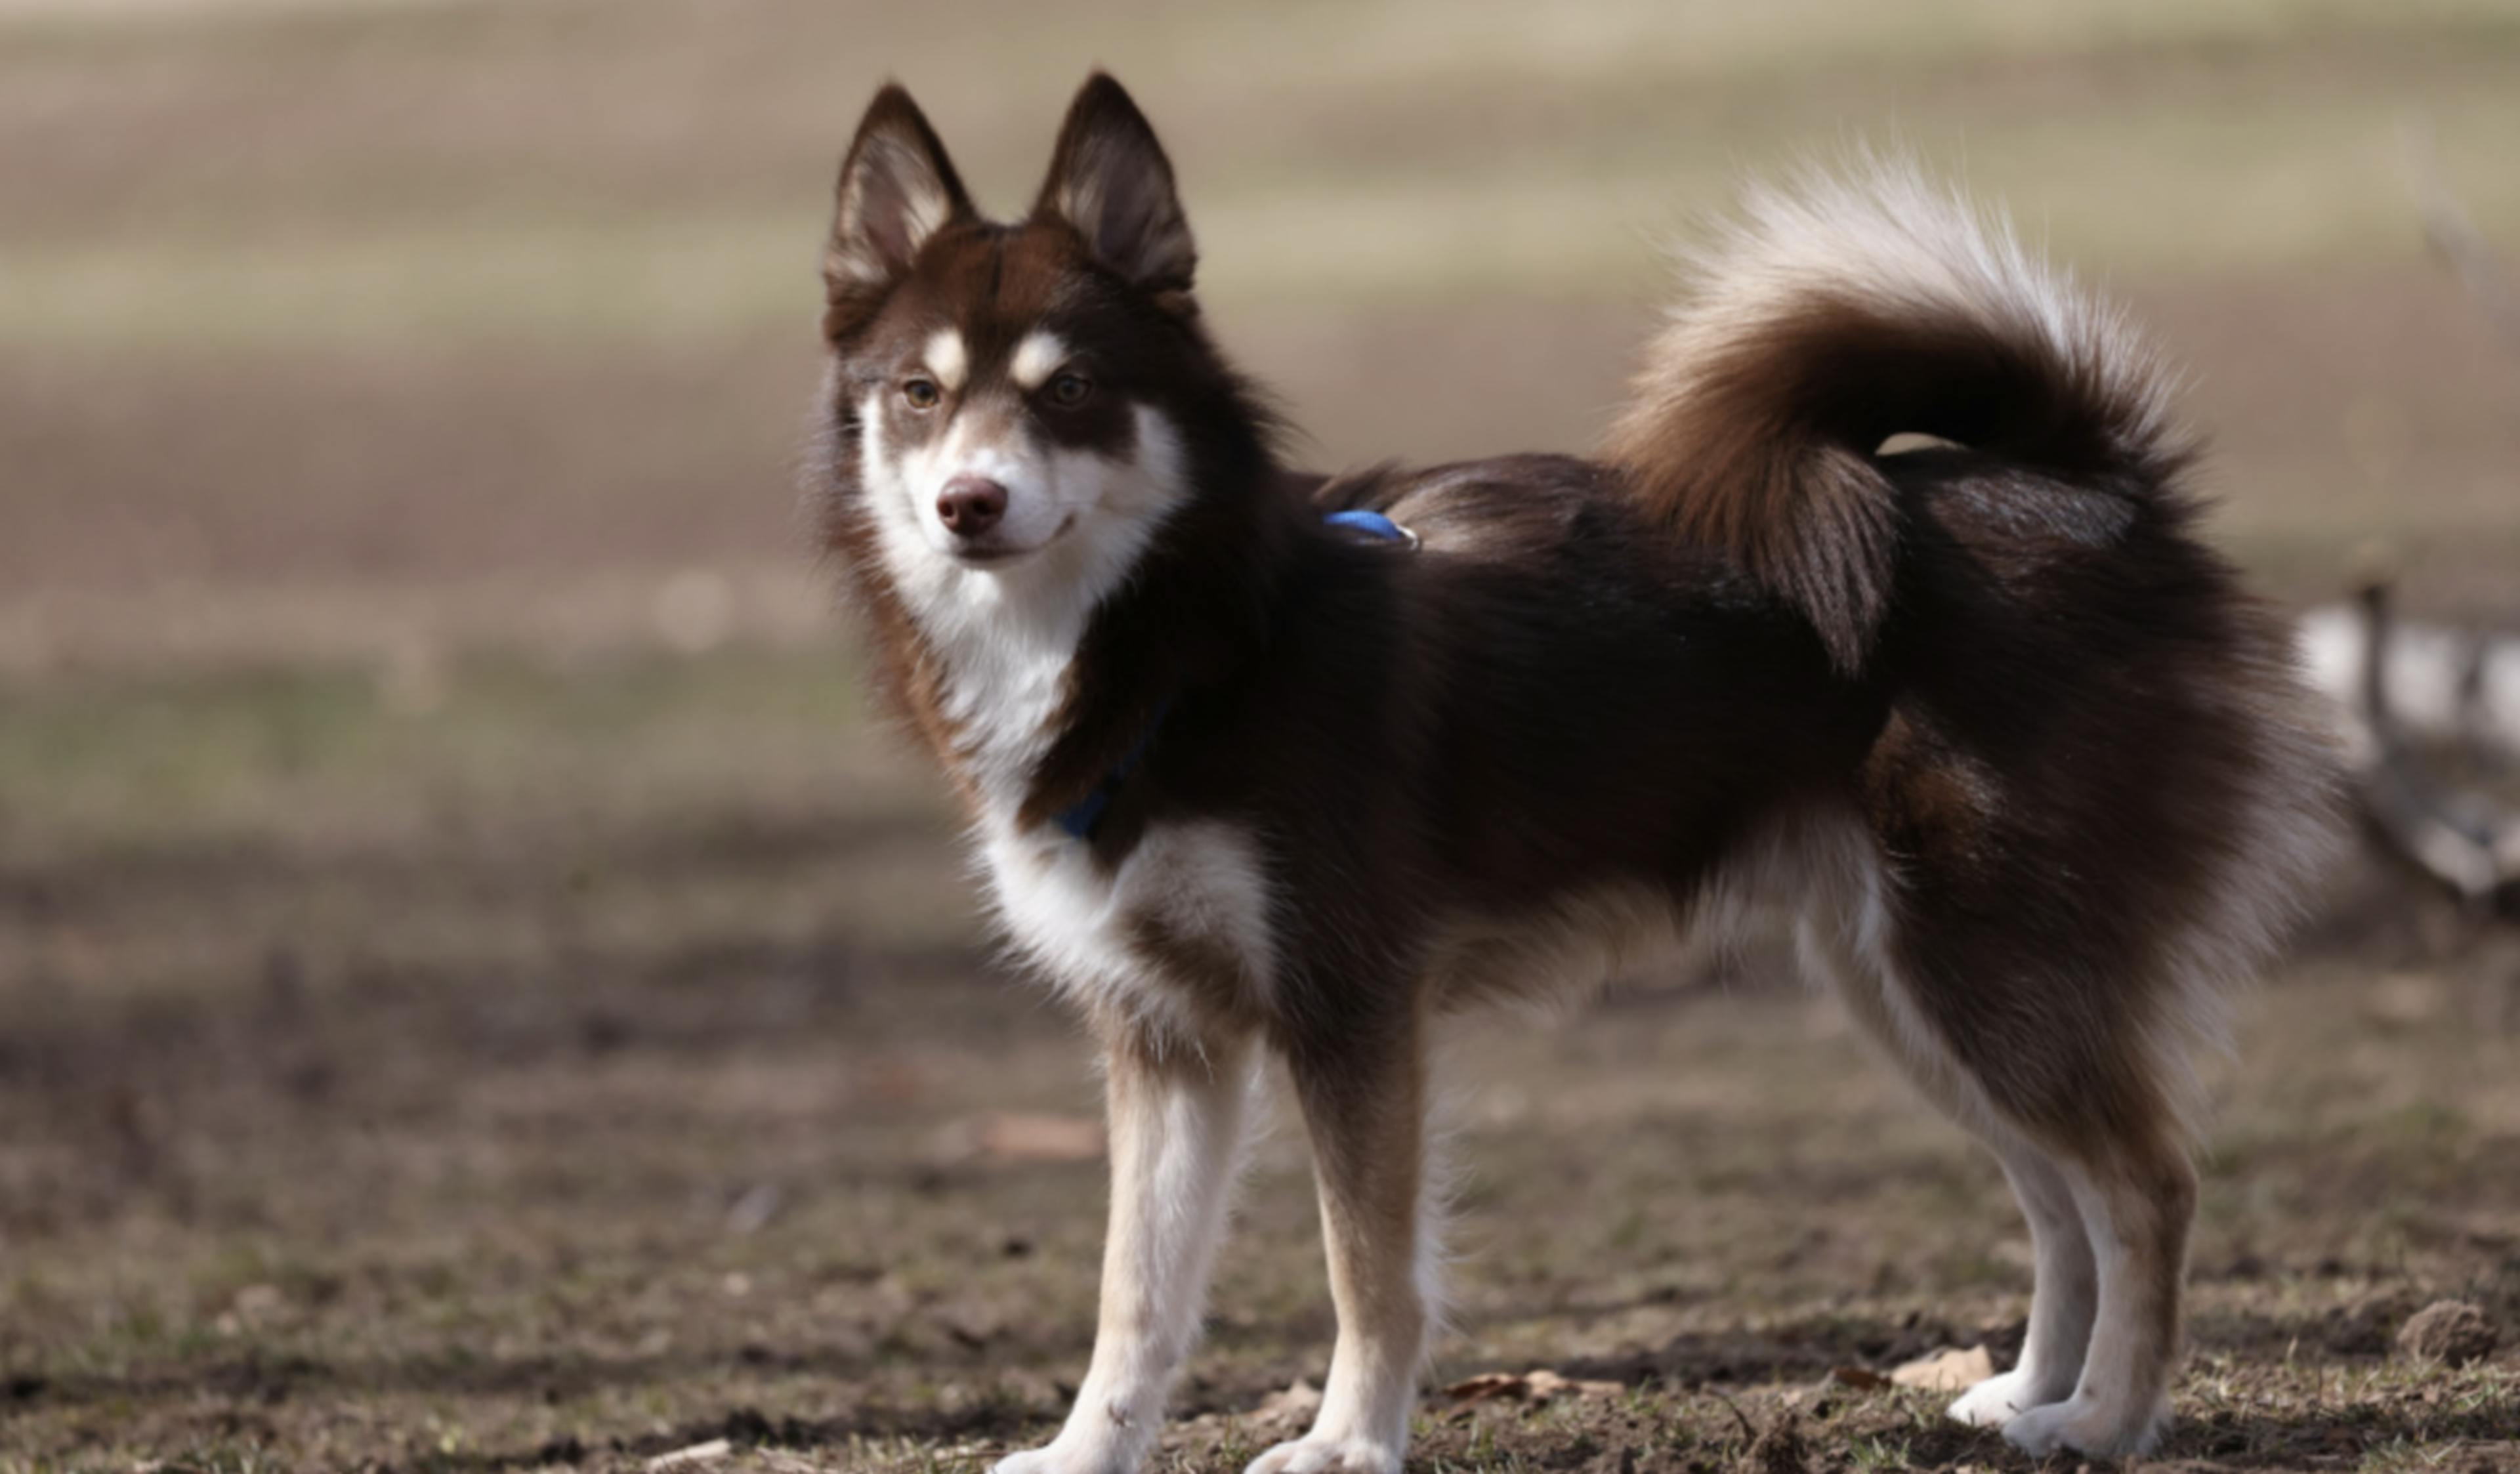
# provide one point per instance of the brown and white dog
(2031, 770)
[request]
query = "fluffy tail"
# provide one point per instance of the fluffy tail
(1831, 316)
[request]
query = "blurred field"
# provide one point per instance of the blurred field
(324, 324)
(478, 992)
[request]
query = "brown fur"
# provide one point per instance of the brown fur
(2030, 764)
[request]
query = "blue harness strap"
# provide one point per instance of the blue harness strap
(1079, 818)
(1373, 524)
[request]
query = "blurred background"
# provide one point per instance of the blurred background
(477, 989)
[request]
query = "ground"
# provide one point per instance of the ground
(558, 1071)
(478, 991)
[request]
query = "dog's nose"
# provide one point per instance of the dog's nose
(969, 506)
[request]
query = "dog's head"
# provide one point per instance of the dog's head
(1009, 402)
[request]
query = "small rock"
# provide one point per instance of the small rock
(1950, 1370)
(1295, 1405)
(1781, 1448)
(2451, 1332)
(752, 1209)
(2406, 1000)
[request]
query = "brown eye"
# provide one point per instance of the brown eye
(1068, 391)
(921, 393)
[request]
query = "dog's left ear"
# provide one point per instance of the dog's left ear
(1110, 178)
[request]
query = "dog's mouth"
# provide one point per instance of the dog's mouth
(998, 556)
(990, 557)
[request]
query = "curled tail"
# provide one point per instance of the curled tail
(1835, 315)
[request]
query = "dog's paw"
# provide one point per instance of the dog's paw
(2084, 1425)
(1316, 1454)
(1999, 1400)
(1059, 1457)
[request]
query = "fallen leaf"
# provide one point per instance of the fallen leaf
(1486, 1385)
(697, 1454)
(1546, 1385)
(1863, 1378)
(1010, 1137)
(1539, 1385)
(1950, 1370)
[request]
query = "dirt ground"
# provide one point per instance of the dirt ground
(570, 1101)
(478, 992)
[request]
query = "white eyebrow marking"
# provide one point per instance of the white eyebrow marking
(946, 359)
(1037, 356)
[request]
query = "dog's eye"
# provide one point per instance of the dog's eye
(1070, 390)
(921, 393)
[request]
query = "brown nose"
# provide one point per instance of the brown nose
(969, 506)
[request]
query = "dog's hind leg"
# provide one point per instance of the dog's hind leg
(2137, 1197)
(1176, 1123)
(1364, 1101)
(1840, 945)
(2084, 1134)
(2064, 1296)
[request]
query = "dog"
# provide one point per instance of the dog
(1263, 761)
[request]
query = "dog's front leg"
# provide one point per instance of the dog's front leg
(1364, 1102)
(1176, 1124)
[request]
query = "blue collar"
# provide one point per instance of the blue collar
(1079, 818)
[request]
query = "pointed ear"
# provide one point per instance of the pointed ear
(897, 188)
(1109, 179)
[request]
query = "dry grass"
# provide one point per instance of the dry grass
(585, 1062)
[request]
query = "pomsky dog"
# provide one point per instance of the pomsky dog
(1258, 760)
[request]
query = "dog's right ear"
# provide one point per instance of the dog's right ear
(896, 190)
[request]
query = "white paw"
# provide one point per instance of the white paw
(2086, 1426)
(1999, 1400)
(1060, 1456)
(1316, 1455)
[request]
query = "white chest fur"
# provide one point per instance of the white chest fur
(1199, 882)
(1004, 640)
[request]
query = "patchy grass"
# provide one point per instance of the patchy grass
(631, 1093)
